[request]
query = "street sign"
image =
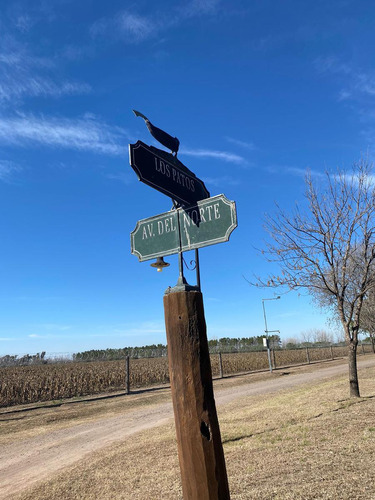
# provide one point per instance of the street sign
(164, 172)
(155, 237)
(208, 222)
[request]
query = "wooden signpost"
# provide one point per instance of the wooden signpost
(200, 221)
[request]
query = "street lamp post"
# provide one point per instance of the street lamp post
(268, 331)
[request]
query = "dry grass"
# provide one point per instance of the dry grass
(309, 443)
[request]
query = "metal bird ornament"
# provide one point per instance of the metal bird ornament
(167, 140)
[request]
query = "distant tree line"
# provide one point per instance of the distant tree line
(147, 351)
(25, 360)
(225, 344)
(311, 338)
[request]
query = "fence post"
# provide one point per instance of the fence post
(363, 348)
(221, 374)
(127, 376)
(307, 355)
(274, 358)
(331, 353)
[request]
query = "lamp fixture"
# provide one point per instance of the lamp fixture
(160, 264)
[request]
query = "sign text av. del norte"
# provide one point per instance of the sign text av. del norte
(208, 222)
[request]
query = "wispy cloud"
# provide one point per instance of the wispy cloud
(12, 87)
(54, 326)
(218, 155)
(82, 134)
(7, 170)
(296, 171)
(242, 144)
(331, 64)
(221, 181)
(122, 177)
(198, 7)
(24, 75)
(24, 23)
(357, 88)
(356, 82)
(131, 27)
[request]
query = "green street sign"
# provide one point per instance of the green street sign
(208, 222)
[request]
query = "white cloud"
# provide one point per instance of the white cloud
(221, 181)
(243, 144)
(301, 172)
(82, 134)
(129, 27)
(218, 155)
(7, 170)
(54, 326)
(24, 74)
(135, 28)
(199, 7)
(357, 82)
(331, 64)
(24, 23)
(122, 177)
(13, 88)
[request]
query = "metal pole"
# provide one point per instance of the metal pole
(265, 318)
(267, 331)
(197, 270)
(268, 342)
(269, 355)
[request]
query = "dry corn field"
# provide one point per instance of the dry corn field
(49, 382)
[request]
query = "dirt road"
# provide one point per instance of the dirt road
(29, 458)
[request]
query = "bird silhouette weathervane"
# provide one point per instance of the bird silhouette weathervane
(171, 143)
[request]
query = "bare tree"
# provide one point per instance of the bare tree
(368, 316)
(316, 335)
(329, 250)
(307, 336)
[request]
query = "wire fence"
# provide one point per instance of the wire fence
(59, 380)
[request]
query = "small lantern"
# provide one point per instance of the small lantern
(160, 264)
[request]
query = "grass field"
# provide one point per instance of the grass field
(30, 384)
(305, 443)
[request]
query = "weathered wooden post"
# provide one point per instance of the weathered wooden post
(127, 371)
(221, 373)
(200, 450)
(307, 355)
(274, 359)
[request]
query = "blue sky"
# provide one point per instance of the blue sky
(256, 92)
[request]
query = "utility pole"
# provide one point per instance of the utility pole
(267, 343)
